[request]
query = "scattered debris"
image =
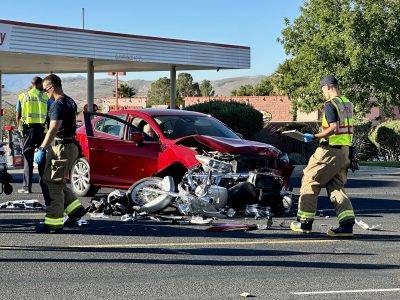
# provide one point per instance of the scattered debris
(230, 213)
(233, 227)
(247, 295)
(98, 215)
(365, 226)
(22, 204)
(200, 220)
(82, 222)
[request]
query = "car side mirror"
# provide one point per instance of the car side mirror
(137, 137)
(239, 134)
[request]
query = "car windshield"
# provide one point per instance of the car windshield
(175, 127)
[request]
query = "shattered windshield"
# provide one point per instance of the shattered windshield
(175, 127)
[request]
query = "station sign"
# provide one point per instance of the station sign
(5, 35)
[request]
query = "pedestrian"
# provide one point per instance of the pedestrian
(328, 165)
(58, 159)
(32, 108)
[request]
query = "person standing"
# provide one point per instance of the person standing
(327, 167)
(58, 159)
(32, 108)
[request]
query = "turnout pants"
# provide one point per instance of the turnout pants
(327, 167)
(58, 197)
(32, 138)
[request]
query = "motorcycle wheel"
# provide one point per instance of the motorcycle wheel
(138, 197)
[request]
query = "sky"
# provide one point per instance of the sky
(253, 23)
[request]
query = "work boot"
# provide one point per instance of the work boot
(304, 226)
(75, 216)
(343, 230)
(43, 228)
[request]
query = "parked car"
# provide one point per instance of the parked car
(124, 146)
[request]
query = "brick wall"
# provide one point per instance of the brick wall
(275, 107)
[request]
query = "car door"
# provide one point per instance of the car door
(115, 160)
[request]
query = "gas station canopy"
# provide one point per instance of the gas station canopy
(34, 48)
(27, 48)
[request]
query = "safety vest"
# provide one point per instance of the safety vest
(344, 133)
(33, 107)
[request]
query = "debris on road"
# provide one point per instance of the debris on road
(22, 204)
(233, 227)
(247, 295)
(365, 226)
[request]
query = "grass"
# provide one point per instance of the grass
(392, 164)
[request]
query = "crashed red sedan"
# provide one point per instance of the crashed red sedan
(124, 146)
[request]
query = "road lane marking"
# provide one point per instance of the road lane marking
(154, 245)
(347, 291)
(203, 244)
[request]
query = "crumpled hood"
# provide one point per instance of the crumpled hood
(233, 146)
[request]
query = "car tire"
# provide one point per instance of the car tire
(80, 178)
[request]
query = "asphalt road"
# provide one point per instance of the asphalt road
(112, 259)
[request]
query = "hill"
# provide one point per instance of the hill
(76, 86)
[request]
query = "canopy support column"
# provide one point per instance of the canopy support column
(90, 86)
(172, 76)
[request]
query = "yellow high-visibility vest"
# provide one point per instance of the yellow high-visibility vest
(33, 106)
(344, 132)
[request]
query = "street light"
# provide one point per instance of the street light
(116, 74)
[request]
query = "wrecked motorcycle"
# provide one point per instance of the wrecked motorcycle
(216, 189)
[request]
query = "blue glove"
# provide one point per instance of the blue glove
(39, 155)
(308, 137)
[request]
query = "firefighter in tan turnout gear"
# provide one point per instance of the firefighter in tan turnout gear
(58, 159)
(327, 167)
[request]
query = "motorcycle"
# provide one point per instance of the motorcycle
(212, 189)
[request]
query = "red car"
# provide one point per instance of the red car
(124, 146)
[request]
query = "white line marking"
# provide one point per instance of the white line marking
(348, 291)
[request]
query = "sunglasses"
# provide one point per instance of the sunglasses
(46, 90)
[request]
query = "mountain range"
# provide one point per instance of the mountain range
(103, 88)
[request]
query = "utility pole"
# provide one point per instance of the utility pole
(83, 18)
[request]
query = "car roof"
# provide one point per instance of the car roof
(153, 112)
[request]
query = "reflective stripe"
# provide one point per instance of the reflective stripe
(53, 221)
(32, 115)
(74, 205)
(345, 214)
(306, 215)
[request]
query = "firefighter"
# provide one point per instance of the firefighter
(32, 108)
(327, 167)
(58, 159)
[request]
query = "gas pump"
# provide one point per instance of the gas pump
(15, 157)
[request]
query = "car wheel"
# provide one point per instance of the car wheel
(80, 178)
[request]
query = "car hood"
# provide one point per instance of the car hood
(233, 146)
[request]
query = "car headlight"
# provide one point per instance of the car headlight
(210, 164)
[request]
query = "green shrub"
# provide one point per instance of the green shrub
(365, 149)
(386, 137)
(240, 117)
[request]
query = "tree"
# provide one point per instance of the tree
(9, 113)
(125, 91)
(244, 90)
(264, 87)
(353, 39)
(206, 88)
(185, 86)
(159, 92)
